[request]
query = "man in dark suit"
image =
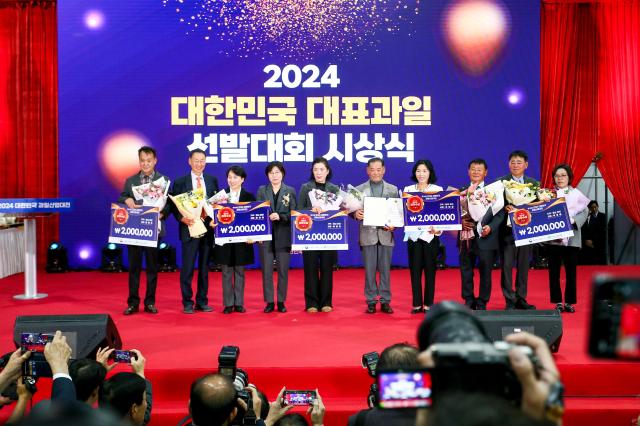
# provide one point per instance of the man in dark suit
(148, 160)
(518, 163)
(195, 248)
(483, 246)
(594, 237)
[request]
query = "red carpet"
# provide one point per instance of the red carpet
(301, 350)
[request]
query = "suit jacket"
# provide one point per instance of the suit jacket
(184, 184)
(304, 202)
(63, 389)
(285, 202)
(371, 235)
(235, 254)
(506, 234)
(127, 192)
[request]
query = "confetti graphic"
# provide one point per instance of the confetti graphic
(295, 29)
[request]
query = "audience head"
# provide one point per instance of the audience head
(292, 419)
(213, 400)
(87, 376)
(398, 356)
(124, 393)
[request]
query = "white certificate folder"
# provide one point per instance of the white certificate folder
(383, 212)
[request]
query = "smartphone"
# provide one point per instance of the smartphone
(34, 342)
(615, 318)
(123, 356)
(404, 388)
(299, 397)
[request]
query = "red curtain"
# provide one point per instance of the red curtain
(29, 106)
(619, 102)
(590, 92)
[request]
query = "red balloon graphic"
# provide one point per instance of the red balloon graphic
(119, 156)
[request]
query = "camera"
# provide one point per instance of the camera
(615, 318)
(370, 362)
(464, 357)
(11, 391)
(228, 366)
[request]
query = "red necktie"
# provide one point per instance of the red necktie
(203, 214)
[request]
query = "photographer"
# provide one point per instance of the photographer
(463, 362)
(214, 401)
(88, 376)
(129, 394)
(394, 357)
(24, 396)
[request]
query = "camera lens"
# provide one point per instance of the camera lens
(450, 322)
(241, 380)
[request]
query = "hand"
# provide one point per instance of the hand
(13, 369)
(57, 353)
(23, 391)
(130, 203)
(213, 224)
(588, 243)
(160, 216)
(250, 241)
(467, 224)
(274, 216)
(317, 411)
(277, 409)
(359, 214)
(138, 362)
(255, 400)
(187, 221)
(535, 390)
(102, 356)
(389, 228)
(509, 208)
(486, 230)
(317, 210)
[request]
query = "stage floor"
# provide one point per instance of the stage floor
(297, 346)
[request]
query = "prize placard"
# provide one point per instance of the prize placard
(134, 227)
(242, 222)
(319, 231)
(538, 222)
(438, 210)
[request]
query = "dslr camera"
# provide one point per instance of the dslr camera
(228, 366)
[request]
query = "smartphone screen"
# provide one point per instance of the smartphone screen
(615, 318)
(34, 342)
(122, 356)
(296, 397)
(404, 389)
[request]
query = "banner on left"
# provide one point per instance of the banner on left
(135, 227)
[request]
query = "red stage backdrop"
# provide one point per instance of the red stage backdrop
(29, 106)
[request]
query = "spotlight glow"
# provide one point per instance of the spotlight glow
(94, 19)
(515, 97)
(84, 253)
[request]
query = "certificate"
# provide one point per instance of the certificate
(383, 212)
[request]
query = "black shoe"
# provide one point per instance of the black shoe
(188, 310)
(509, 306)
(150, 309)
(371, 308)
(281, 307)
(386, 308)
(559, 307)
(240, 309)
(203, 308)
(269, 308)
(569, 308)
(523, 305)
(417, 310)
(471, 304)
(130, 310)
(480, 307)
(227, 309)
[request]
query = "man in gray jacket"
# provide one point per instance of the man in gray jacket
(376, 242)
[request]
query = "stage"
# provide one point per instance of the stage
(306, 351)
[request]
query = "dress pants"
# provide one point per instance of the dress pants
(318, 277)
(283, 257)
(233, 285)
(135, 267)
(468, 255)
(557, 256)
(520, 256)
(195, 248)
(377, 258)
(422, 257)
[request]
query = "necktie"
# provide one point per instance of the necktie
(203, 214)
(199, 178)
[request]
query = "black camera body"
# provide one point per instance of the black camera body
(370, 362)
(228, 366)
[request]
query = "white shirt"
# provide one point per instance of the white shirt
(194, 182)
(234, 197)
(425, 235)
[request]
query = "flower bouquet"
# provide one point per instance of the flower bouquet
(519, 193)
(153, 194)
(546, 194)
(218, 198)
(325, 200)
(352, 199)
(190, 205)
(480, 200)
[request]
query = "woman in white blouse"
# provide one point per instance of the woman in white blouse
(422, 245)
